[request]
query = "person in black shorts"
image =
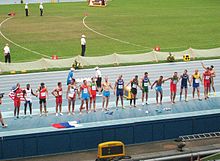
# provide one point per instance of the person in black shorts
(134, 84)
(184, 84)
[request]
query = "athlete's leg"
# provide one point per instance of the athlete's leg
(69, 104)
(186, 93)
(193, 92)
(45, 108)
(142, 96)
(81, 107)
(181, 92)
(30, 107)
(25, 107)
(146, 97)
(174, 97)
(122, 101)
(73, 105)
(87, 105)
(103, 102)
(107, 100)
(161, 96)
(117, 98)
(157, 95)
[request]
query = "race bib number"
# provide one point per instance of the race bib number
(134, 86)
(60, 93)
(145, 84)
(43, 94)
(175, 82)
(18, 95)
(196, 80)
(85, 90)
(207, 77)
(120, 86)
(71, 95)
(93, 88)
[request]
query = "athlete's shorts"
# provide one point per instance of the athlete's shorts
(85, 96)
(195, 85)
(119, 92)
(59, 100)
(93, 96)
(134, 91)
(145, 89)
(173, 88)
(159, 89)
(206, 83)
(17, 103)
(27, 103)
(99, 82)
(42, 100)
(184, 86)
(106, 93)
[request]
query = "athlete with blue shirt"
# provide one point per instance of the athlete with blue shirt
(85, 96)
(184, 84)
(119, 90)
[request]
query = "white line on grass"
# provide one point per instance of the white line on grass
(112, 38)
(35, 52)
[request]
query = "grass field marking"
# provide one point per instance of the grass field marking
(112, 38)
(35, 52)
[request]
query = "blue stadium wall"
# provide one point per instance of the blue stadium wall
(84, 139)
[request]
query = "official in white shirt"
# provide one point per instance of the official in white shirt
(41, 9)
(83, 45)
(26, 9)
(7, 54)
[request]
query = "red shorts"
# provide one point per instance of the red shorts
(206, 83)
(173, 88)
(58, 100)
(17, 103)
(93, 97)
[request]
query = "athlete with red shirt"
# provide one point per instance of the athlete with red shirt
(57, 92)
(206, 79)
(43, 94)
(93, 88)
(173, 86)
(17, 100)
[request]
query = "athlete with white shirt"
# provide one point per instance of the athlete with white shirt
(28, 92)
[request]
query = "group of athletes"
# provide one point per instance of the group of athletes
(88, 91)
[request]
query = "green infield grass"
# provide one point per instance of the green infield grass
(138, 25)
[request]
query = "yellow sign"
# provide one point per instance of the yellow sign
(111, 149)
(186, 57)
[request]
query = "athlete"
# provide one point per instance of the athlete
(43, 95)
(159, 89)
(173, 86)
(119, 90)
(134, 84)
(196, 79)
(213, 74)
(28, 92)
(184, 84)
(71, 92)
(17, 100)
(1, 118)
(85, 95)
(57, 92)
(106, 86)
(206, 80)
(145, 82)
(93, 88)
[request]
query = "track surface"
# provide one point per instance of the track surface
(51, 79)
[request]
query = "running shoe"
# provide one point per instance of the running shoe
(57, 114)
(61, 114)
(214, 93)
(143, 103)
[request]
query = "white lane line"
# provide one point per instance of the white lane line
(32, 51)
(112, 38)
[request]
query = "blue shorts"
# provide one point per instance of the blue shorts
(195, 85)
(158, 88)
(119, 92)
(106, 93)
(85, 96)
